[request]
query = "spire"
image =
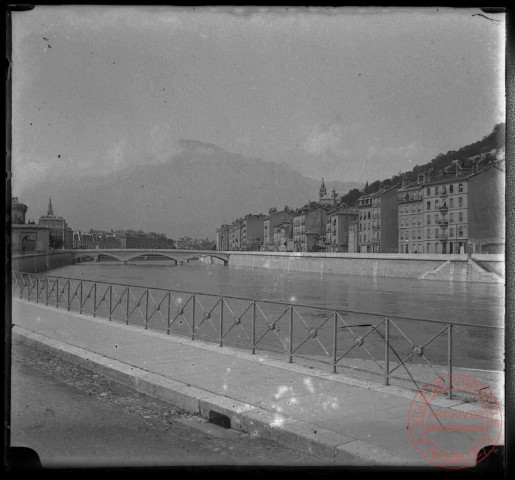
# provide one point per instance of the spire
(323, 190)
(50, 210)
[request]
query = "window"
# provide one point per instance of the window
(413, 221)
(428, 192)
(460, 201)
(419, 236)
(460, 187)
(451, 232)
(436, 190)
(460, 217)
(451, 188)
(460, 231)
(402, 235)
(429, 219)
(451, 202)
(428, 248)
(451, 217)
(437, 233)
(428, 206)
(428, 233)
(437, 203)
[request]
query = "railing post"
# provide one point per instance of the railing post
(81, 294)
(335, 340)
(127, 311)
(387, 350)
(28, 289)
(110, 301)
(291, 336)
(253, 328)
(449, 354)
(221, 321)
(146, 310)
(57, 296)
(68, 295)
(37, 289)
(193, 319)
(168, 314)
(46, 292)
(95, 299)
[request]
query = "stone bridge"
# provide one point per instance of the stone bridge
(126, 255)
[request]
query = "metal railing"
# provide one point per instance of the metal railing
(320, 333)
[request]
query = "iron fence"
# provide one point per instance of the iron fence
(389, 343)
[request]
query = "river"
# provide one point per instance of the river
(475, 304)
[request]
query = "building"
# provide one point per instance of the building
(272, 220)
(252, 231)
(223, 238)
(235, 235)
(26, 238)
(354, 236)
(456, 210)
(327, 200)
(337, 229)
(410, 217)
(486, 214)
(143, 240)
(378, 221)
(309, 224)
(61, 236)
(283, 237)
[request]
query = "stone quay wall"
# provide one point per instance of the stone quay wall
(460, 267)
(40, 262)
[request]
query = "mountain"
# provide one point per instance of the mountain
(192, 194)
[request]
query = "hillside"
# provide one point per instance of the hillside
(485, 150)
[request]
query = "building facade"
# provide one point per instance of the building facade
(26, 238)
(61, 236)
(309, 226)
(337, 229)
(235, 235)
(223, 238)
(273, 220)
(252, 232)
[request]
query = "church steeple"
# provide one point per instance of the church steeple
(323, 190)
(50, 212)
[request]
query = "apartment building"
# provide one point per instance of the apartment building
(337, 229)
(456, 210)
(273, 220)
(378, 221)
(223, 238)
(252, 232)
(309, 225)
(235, 235)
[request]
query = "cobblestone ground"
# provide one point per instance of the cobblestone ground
(217, 445)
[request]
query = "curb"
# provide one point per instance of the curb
(245, 417)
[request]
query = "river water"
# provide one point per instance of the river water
(475, 304)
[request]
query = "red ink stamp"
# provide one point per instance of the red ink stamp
(455, 438)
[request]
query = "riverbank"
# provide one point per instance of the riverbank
(460, 268)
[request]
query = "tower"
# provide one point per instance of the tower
(323, 190)
(50, 212)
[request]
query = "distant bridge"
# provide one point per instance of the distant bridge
(125, 255)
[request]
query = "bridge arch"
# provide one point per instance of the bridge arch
(154, 255)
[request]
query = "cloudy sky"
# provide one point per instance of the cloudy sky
(345, 94)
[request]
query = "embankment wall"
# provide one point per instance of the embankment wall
(375, 265)
(40, 262)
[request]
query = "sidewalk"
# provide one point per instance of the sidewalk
(348, 420)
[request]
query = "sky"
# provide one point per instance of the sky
(346, 94)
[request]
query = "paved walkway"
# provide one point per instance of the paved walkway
(337, 416)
